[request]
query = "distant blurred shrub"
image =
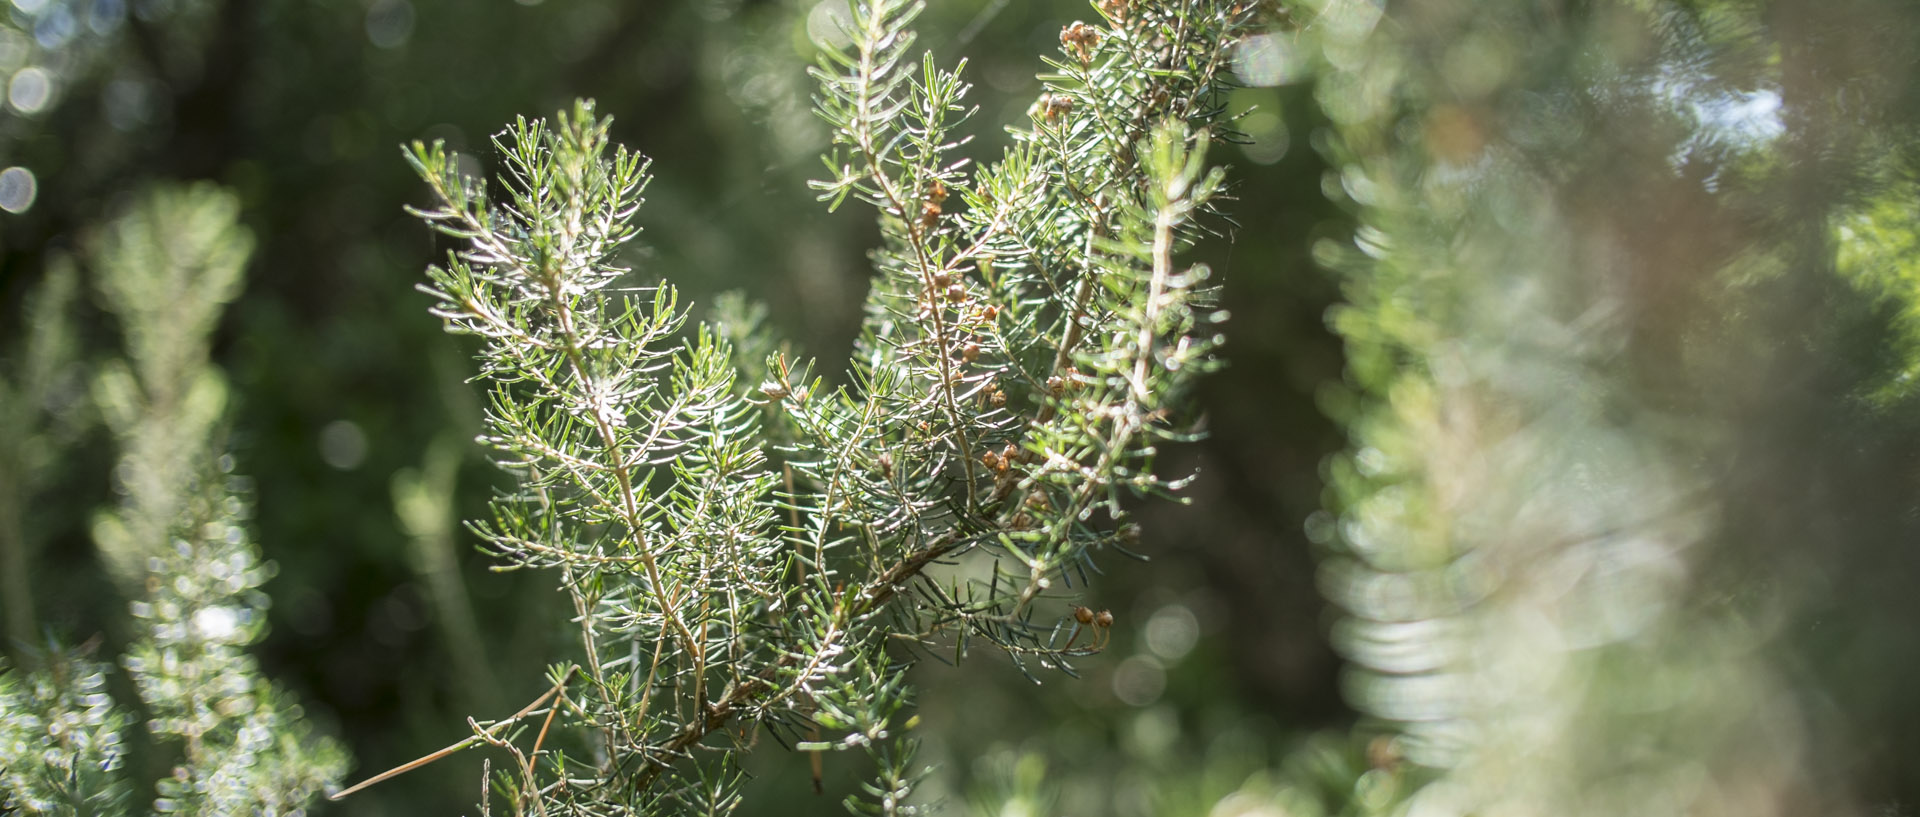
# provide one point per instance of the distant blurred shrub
(177, 543)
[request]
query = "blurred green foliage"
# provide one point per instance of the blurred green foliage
(218, 738)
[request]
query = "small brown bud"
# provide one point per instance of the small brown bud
(1103, 619)
(773, 391)
(970, 352)
(885, 461)
(956, 293)
(1115, 9)
(942, 278)
(990, 459)
(936, 192)
(1057, 105)
(1056, 385)
(929, 214)
(997, 397)
(990, 312)
(1082, 614)
(1079, 40)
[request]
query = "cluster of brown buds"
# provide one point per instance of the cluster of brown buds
(930, 206)
(998, 462)
(1006, 472)
(1101, 623)
(982, 313)
(1059, 384)
(956, 291)
(1115, 9)
(1079, 40)
(946, 285)
(1054, 106)
(991, 393)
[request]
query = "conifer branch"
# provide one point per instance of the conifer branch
(712, 594)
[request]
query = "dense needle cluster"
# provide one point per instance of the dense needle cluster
(769, 556)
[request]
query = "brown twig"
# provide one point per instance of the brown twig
(486, 734)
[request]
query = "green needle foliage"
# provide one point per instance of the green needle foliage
(235, 743)
(742, 559)
(241, 743)
(60, 739)
(166, 269)
(1546, 491)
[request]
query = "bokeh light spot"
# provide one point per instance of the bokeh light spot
(106, 15)
(218, 624)
(1172, 631)
(827, 24)
(17, 189)
(343, 445)
(1270, 137)
(1154, 732)
(30, 89)
(1139, 680)
(55, 29)
(390, 23)
(1266, 60)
